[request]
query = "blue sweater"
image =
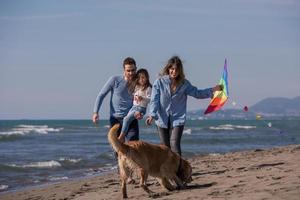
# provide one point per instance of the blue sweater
(121, 99)
(164, 105)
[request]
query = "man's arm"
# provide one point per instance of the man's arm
(102, 94)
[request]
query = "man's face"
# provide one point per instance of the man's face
(129, 72)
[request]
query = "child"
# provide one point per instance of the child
(142, 93)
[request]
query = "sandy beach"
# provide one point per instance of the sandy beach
(256, 174)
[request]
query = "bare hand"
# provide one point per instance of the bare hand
(218, 88)
(138, 115)
(95, 118)
(122, 138)
(140, 98)
(149, 120)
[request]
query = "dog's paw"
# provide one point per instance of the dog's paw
(154, 195)
(182, 187)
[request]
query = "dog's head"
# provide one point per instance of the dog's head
(185, 171)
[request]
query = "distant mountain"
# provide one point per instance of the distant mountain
(275, 107)
(278, 106)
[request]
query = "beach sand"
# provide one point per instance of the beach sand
(257, 174)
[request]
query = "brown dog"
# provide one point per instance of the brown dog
(149, 159)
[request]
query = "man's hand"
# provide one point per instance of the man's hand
(95, 118)
(149, 120)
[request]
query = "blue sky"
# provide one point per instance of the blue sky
(56, 55)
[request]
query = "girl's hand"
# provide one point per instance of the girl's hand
(149, 120)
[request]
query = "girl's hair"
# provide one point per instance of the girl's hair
(145, 72)
(175, 60)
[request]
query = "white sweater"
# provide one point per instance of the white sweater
(145, 94)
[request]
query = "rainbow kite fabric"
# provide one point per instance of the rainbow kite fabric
(220, 97)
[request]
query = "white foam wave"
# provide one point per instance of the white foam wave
(58, 178)
(187, 131)
(3, 187)
(93, 171)
(214, 154)
(72, 160)
(107, 126)
(26, 129)
(231, 127)
(46, 164)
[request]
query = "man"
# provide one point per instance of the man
(121, 88)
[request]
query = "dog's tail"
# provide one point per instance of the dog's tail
(116, 144)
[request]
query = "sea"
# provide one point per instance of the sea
(38, 152)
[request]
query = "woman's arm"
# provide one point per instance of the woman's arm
(154, 102)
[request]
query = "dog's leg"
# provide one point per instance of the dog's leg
(130, 179)
(166, 183)
(179, 182)
(124, 189)
(143, 180)
(123, 177)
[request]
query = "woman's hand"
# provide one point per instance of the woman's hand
(218, 88)
(149, 120)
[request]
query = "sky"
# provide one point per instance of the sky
(55, 55)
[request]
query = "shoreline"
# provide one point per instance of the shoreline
(252, 174)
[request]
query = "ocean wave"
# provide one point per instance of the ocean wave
(95, 171)
(45, 164)
(58, 178)
(187, 131)
(3, 187)
(107, 126)
(231, 127)
(27, 129)
(214, 154)
(71, 160)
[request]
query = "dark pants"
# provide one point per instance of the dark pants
(133, 130)
(171, 137)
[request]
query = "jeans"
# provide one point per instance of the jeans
(130, 117)
(171, 137)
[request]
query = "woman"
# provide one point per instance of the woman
(168, 102)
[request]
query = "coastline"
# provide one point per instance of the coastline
(255, 174)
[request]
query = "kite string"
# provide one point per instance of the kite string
(258, 117)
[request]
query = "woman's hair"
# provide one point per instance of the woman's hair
(175, 60)
(145, 72)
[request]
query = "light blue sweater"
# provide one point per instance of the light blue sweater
(121, 99)
(164, 105)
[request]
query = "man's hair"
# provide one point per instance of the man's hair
(128, 61)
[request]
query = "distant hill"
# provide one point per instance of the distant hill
(275, 107)
(278, 106)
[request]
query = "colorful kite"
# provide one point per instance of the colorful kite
(220, 97)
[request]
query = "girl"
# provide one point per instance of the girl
(142, 93)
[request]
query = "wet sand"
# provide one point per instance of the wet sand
(257, 174)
